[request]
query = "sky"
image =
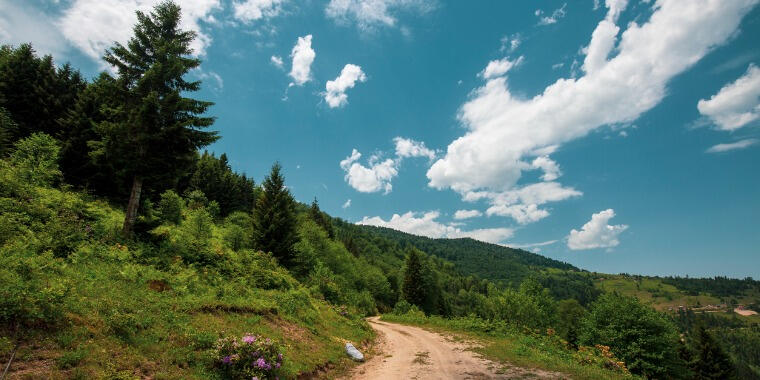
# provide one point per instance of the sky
(618, 136)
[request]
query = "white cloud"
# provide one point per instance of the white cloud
(218, 82)
(467, 214)
(369, 14)
(277, 61)
(22, 24)
(549, 166)
(303, 55)
(521, 204)
(741, 144)
(510, 43)
(532, 245)
(499, 67)
(736, 104)
(252, 10)
(505, 133)
(425, 224)
(347, 204)
(369, 179)
(597, 233)
(378, 175)
(335, 94)
(410, 148)
(553, 18)
(94, 25)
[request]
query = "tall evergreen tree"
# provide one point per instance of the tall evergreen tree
(7, 131)
(159, 131)
(710, 360)
(274, 220)
(413, 289)
(321, 219)
(214, 177)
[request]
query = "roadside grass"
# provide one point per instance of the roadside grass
(512, 347)
(126, 310)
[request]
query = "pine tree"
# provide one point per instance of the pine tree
(321, 219)
(413, 288)
(274, 220)
(710, 360)
(159, 131)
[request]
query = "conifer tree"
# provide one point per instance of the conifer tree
(159, 132)
(710, 360)
(321, 219)
(274, 220)
(413, 288)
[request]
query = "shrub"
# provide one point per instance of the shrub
(36, 159)
(251, 357)
(170, 207)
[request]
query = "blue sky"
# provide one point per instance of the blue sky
(619, 136)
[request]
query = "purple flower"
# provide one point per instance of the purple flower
(261, 363)
(226, 360)
(249, 339)
(279, 357)
(277, 365)
(254, 378)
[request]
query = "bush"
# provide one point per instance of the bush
(170, 207)
(36, 159)
(251, 357)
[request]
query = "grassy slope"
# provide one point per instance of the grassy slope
(127, 319)
(514, 348)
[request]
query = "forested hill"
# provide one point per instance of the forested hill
(486, 260)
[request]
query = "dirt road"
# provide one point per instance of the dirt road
(406, 352)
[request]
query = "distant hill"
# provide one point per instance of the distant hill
(472, 257)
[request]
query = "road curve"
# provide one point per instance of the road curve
(406, 352)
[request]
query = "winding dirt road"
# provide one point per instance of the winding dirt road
(406, 352)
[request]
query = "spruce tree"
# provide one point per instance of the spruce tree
(274, 220)
(159, 130)
(413, 288)
(321, 219)
(710, 360)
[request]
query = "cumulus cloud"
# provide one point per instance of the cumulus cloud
(549, 166)
(506, 133)
(510, 43)
(23, 24)
(522, 203)
(741, 144)
(370, 14)
(597, 233)
(303, 56)
(425, 224)
(552, 18)
(499, 67)
(736, 104)
(253, 10)
(347, 204)
(467, 214)
(379, 173)
(277, 61)
(335, 90)
(94, 25)
(369, 179)
(411, 148)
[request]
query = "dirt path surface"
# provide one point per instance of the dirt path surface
(406, 352)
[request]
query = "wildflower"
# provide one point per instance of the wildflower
(277, 365)
(249, 339)
(261, 363)
(279, 357)
(226, 360)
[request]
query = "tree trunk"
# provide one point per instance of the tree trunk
(132, 206)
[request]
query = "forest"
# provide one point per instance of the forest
(127, 250)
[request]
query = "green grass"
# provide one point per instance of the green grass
(125, 314)
(512, 347)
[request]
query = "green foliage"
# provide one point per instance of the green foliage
(321, 219)
(36, 159)
(157, 132)
(34, 91)
(274, 221)
(570, 315)
(8, 129)
(414, 288)
(214, 177)
(170, 207)
(710, 360)
(643, 338)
